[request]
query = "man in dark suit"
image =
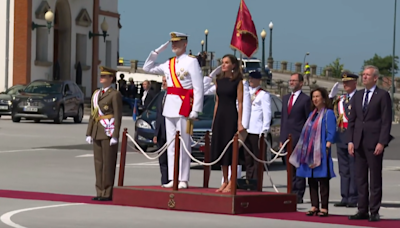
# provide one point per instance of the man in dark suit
(295, 110)
(160, 136)
(148, 94)
(369, 128)
(342, 108)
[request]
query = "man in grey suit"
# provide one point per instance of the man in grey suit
(160, 137)
(295, 111)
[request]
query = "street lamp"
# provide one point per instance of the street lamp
(48, 16)
(206, 33)
(202, 45)
(263, 35)
(104, 28)
(304, 61)
(393, 55)
(270, 59)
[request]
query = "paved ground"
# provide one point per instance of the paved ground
(52, 158)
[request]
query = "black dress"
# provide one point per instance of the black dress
(226, 120)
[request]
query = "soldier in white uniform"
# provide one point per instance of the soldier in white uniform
(184, 99)
(260, 121)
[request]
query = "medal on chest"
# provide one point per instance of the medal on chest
(253, 97)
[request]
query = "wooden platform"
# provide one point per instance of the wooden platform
(199, 199)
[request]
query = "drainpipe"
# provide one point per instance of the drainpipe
(7, 43)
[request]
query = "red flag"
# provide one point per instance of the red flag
(244, 37)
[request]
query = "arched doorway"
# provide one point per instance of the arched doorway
(62, 41)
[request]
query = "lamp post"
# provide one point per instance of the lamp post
(304, 60)
(206, 33)
(48, 16)
(202, 45)
(393, 55)
(270, 59)
(263, 35)
(104, 28)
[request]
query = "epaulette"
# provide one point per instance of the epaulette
(193, 56)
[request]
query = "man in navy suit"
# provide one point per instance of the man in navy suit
(160, 136)
(369, 128)
(295, 111)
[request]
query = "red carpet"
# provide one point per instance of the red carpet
(331, 219)
(295, 216)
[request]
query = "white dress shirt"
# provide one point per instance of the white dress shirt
(260, 115)
(144, 96)
(371, 92)
(295, 96)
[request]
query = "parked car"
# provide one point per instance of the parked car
(145, 124)
(6, 99)
(54, 100)
(253, 64)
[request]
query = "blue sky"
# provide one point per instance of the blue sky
(353, 30)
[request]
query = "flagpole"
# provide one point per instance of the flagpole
(241, 64)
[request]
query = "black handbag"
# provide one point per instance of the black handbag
(246, 184)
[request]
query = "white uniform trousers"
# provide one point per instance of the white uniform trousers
(172, 125)
(239, 173)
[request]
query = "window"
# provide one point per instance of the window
(155, 101)
(253, 65)
(42, 39)
(278, 103)
(108, 53)
(44, 87)
(81, 47)
(274, 107)
(208, 108)
(66, 88)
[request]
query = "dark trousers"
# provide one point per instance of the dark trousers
(163, 160)
(323, 191)
(348, 188)
(368, 198)
(252, 142)
(298, 184)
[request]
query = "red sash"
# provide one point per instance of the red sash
(256, 93)
(186, 95)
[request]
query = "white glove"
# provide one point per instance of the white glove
(265, 133)
(89, 139)
(193, 115)
(334, 90)
(162, 48)
(215, 72)
(113, 141)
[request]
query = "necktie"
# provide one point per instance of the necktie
(366, 101)
(163, 100)
(290, 103)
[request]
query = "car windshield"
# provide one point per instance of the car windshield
(208, 108)
(253, 64)
(44, 88)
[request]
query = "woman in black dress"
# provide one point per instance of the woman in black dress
(227, 116)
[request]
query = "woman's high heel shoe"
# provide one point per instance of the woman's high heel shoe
(312, 213)
(323, 214)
